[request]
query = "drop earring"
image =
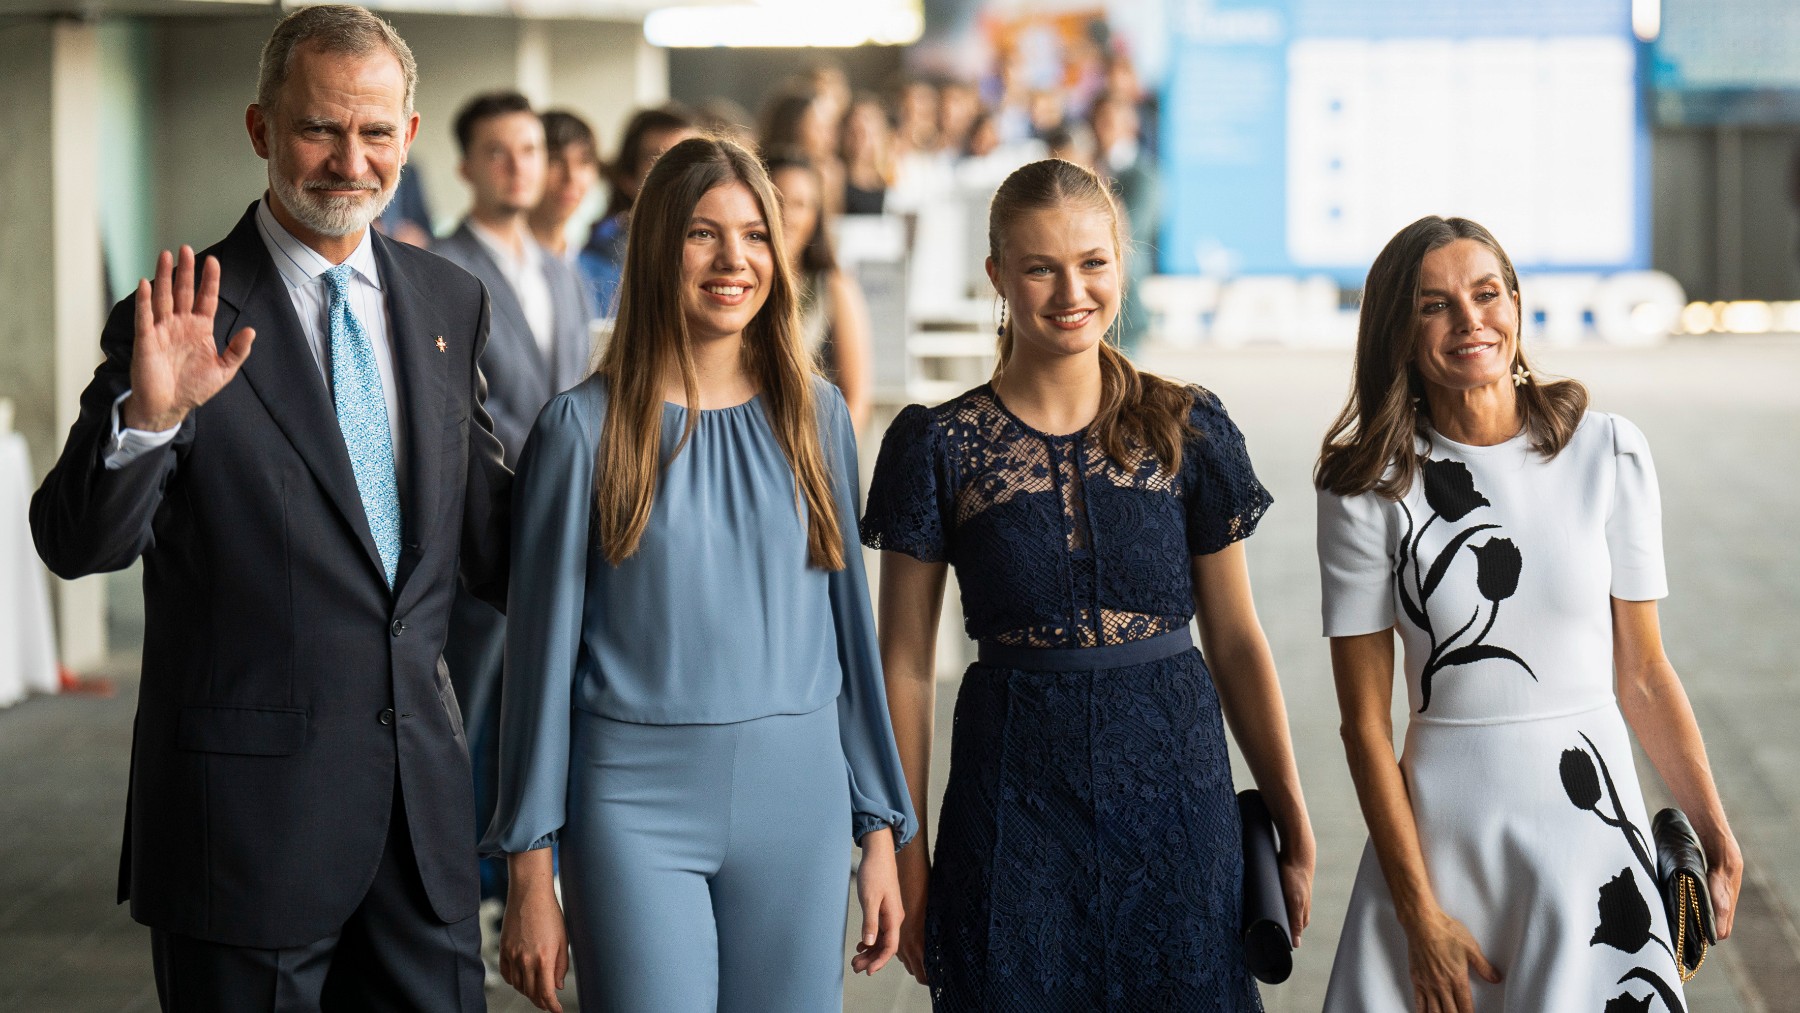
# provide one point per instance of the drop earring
(1000, 331)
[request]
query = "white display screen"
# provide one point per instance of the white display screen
(1299, 135)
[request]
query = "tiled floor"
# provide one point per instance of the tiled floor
(1723, 419)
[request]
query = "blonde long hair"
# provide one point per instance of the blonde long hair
(1134, 405)
(650, 336)
(1371, 444)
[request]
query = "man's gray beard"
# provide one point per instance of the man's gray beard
(336, 217)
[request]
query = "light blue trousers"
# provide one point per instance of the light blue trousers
(705, 867)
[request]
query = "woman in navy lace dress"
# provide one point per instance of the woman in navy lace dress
(1088, 856)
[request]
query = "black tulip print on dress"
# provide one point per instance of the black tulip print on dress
(1497, 566)
(1659, 985)
(1451, 494)
(1581, 782)
(1625, 915)
(1450, 490)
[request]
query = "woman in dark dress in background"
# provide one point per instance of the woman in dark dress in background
(1089, 854)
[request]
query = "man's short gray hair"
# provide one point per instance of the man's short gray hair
(343, 29)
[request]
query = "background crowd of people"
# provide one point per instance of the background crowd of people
(836, 148)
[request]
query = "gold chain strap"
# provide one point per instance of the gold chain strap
(1687, 899)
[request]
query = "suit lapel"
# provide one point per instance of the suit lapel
(573, 347)
(285, 375)
(421, 367)
(509, 313)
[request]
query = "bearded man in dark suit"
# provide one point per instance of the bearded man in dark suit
(298, 829)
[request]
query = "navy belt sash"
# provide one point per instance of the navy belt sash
(1084, 659)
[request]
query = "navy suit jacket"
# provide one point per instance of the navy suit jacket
(521, 380)
(287, 693)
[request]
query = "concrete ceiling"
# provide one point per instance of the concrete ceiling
(608, 10)
(102, 8)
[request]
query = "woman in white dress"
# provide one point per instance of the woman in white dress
(1512, 539)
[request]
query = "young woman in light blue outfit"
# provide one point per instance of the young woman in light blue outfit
(693, 701)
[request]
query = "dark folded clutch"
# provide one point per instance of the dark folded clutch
(1681, 876)
(1268, 946)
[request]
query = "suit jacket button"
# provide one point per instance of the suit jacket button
(397, 627)
(387, 716)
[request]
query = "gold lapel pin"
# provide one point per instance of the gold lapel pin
(440, 342)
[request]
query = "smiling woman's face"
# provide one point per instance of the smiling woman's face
(1060, 279)
(727, 263)
(1468, 322)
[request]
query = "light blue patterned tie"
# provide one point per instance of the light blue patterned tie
(363, 417)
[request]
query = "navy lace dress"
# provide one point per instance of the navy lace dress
(1088, 848)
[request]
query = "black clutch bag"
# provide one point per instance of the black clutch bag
(1681, 875)
(1268, 942)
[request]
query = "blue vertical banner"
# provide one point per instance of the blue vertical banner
(1224, 137)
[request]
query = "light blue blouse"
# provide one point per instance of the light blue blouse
(716, 618)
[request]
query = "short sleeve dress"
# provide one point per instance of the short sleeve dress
(1088, 851)
(1497, 569)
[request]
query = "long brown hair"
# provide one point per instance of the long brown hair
(650, 337)
(1373, 442)
(1135, 406)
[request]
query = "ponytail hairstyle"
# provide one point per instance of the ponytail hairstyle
(650, 340)
(1139, 411)
(1372, 444)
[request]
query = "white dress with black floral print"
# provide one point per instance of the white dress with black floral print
(1498, 568)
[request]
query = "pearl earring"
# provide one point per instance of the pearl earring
(1521, 376)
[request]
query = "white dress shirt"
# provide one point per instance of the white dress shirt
(302, 271)
(524, 271)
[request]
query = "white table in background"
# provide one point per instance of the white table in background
(27, 640)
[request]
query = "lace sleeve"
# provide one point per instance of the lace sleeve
(1224, 498)
(905, 510)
